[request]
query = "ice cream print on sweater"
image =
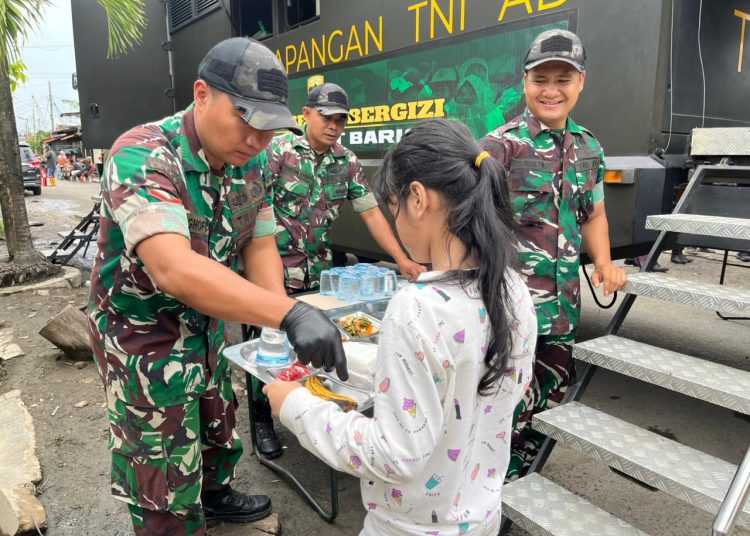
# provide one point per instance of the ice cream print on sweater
(432, 458)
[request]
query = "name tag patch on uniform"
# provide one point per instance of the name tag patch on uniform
(244, 204)
(531, 164)
(587, 164)
(295, 174)
(244, 221)
(198, 226)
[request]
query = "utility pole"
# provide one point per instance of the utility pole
(33, 113)
(51, 113)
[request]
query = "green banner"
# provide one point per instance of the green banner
(476, 80)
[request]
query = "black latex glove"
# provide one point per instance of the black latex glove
(315, 339)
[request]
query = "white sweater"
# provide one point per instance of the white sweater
(433, 457)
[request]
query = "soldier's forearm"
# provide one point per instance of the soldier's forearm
(263, 264)
(207, 286)
(595, 235)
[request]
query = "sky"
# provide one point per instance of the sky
(50, 57)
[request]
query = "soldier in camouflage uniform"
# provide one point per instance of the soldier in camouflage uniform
(555, 173)
(313, 176)
(183, 200)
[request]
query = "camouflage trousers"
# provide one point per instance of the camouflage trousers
(554, 371)
(163, 458)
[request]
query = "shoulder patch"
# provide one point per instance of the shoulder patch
(166, 168)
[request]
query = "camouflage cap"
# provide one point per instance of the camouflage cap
(254, 79)
(556, 45)
(328, 99)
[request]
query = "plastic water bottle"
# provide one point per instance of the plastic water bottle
(273, 348)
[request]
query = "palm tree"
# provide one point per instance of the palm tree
(17, 19)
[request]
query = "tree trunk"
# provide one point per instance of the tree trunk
(12, 201)
(69, 331)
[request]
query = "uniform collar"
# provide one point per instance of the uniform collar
(192, 153)
(536, 127)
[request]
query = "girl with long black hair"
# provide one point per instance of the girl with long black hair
(455, 353)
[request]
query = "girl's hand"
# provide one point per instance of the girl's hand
(277, 392)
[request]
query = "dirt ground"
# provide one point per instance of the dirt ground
(71, 442)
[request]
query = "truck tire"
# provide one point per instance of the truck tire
(37, 190)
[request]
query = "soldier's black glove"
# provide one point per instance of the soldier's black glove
(315, 339)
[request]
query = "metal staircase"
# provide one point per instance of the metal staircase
(713, 212)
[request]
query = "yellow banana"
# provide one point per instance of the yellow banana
(315, 386)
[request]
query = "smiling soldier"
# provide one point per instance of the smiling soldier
(555, 176)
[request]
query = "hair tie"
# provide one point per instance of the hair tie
(479, 158)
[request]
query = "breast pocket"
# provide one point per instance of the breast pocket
(587, 171)
(244, 205)
(291, 192)
(531, 191)
(335, 188)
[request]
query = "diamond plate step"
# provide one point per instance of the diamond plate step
(705, 295)
(718, 384)
(541, 507)
(699, 224)
(681, 471)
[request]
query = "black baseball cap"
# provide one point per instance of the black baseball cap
(254, 79)
(556, 45)
(328, 99)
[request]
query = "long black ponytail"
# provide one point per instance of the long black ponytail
(444, 156)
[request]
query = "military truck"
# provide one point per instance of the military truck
(655, 70)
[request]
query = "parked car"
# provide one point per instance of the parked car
(31, 167)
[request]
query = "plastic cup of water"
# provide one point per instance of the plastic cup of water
(349, 285)
(326, 283)
(368, 286)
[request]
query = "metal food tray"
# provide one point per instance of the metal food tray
(375, 337)
(243, 356)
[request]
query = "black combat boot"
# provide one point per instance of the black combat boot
(265, 435)
(228, 504)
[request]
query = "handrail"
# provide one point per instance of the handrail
(735, 499)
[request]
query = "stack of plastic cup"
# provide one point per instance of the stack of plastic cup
(361, 282)
(329, 281)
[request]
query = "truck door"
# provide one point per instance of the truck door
(116, 94)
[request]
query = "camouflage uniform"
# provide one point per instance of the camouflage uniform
(309, 190)
(555, 179)
(170, 399)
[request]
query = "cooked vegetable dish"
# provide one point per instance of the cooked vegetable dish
(358, 326)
